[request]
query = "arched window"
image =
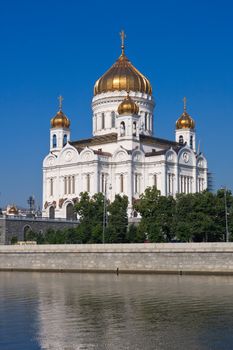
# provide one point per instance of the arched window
(121, 183)
(64, 140)
(191, 141)
(103, 121)
(134, 128)
(52, 213)
(122, 129)
(54, 141)
(181, 140)
(70, 214)
(113, 119)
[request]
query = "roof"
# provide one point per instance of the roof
(150, 140)
(94, 141)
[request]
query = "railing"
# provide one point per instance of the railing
(25, 218)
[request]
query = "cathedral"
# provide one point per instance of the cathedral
(123, 156)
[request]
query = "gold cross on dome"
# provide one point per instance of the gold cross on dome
(123, 36)
(60, 99)
(185, 103)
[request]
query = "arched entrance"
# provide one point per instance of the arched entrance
(52, 213)
(70, 214)
(26, 231)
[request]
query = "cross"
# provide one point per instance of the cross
(185, 103)
(60, 99)
(123, 36)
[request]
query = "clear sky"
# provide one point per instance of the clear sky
(62, 47)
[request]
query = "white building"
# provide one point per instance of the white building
(123, 156)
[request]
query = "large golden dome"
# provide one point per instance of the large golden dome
(122, 76)
(185, 121)
(128, 106)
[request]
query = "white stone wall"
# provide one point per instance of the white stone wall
(212, 258)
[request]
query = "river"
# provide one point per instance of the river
(71, 311)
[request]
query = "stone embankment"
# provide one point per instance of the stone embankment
(179, 258)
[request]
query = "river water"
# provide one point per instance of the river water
(70, 311)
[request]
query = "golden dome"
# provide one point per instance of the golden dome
(60, 120)
(185, 121)
(122, 76)
(13, 210)
(128, 106)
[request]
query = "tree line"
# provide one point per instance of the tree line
(196, 217)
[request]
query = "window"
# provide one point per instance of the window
(103, 121)
(73, 184)
(146, 124)
(121, 183)
(155, 180)
(88, 182)
(64, 140)
(70, 214)
(181, 139)
(69, 184)
(134, 128)
(51, 213)
(137, 183)
(122, 129)
(113, 119)
(54, 141)
(185, 184)
(51, 187)
(191, 141)
(102, 183)
(170, 184)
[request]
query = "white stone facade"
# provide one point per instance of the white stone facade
(119, 159)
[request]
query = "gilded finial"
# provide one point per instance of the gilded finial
(185, 103)
(60, 99)
(123, 36)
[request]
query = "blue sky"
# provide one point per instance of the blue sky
(62, 47)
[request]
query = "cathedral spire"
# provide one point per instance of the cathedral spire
(123, 36)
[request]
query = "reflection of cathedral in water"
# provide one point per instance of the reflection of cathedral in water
(123, 156)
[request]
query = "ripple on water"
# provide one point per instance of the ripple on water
(86, 311)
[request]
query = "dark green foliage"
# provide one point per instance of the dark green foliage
(198, 217)
(157, 214)
(14, 240)
(117, 220)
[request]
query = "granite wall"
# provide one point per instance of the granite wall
(16, 226)
(123, 258)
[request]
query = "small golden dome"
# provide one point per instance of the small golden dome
(13, 210)
(122, 76)
(60, 120)
(185, 121)
(128, 106)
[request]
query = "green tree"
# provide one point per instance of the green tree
(90, 212)
(116, 230)
(157, 215)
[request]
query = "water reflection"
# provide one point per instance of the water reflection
(98, 311)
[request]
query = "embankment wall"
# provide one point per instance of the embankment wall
(180, 258)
